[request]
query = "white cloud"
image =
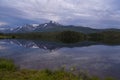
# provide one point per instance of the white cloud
(34, 8)
(3, 23)
(64, 10)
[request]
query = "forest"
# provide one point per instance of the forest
(109, 37)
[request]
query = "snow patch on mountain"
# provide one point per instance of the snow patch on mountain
(2, 29)
(35, 25)
(45, 25)
(11, 29)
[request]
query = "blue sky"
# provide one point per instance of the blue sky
(90, 13)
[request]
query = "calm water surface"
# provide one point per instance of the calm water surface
(93, 58)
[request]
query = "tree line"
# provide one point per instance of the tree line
(68, 36)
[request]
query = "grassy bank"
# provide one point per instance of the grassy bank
(5, 37)
(8, 71)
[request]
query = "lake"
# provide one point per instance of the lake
(90, 57)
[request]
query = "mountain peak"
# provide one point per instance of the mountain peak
(53, 22)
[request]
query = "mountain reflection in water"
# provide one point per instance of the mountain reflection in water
(94, 58)
(49, 45)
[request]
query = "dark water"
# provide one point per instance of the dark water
(90, 57)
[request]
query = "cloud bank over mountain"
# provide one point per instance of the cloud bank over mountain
(93, 13)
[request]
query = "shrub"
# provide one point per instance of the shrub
(7, 65)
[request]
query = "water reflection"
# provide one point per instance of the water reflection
(48, 45)
(94, 58)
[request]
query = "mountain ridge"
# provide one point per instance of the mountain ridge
(53, 27)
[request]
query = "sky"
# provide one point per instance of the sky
(89, 13)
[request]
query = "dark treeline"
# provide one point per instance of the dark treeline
(109, 37)
(64, 36)
(70, 37)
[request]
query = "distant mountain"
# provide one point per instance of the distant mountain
(5, 29)
(52, 27)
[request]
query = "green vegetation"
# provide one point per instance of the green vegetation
(65, 36)
(7, 65)
(107, 37)
(70, 37)
(3, 36)
(34, 35)
(8, 71)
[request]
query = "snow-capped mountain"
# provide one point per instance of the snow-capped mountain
(29, 27)
(36, 27)
(25, 28)
(51, 27)
(4, 29)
